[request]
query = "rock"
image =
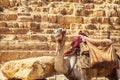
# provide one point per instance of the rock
(29, 69)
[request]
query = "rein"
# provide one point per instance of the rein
(71, 68)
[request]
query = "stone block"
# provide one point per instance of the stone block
(44, 17)
(89, 6)
(98, 1)
(52, 46)
(68, 19)
(60, 19)
(106, 20)
(49, 31)
(23, 38)
(52, 18)
(25, 18)
(37, 18)
(11, 17)
(99, 13)
(24, 25)
(93, 20)
(13, 31)
(23, 14)
(3, 24)
(18, 31)
(78, 19)
(29, 69)
(5, 3)
(86, 20)
(41, 38)
(91, 27)
(6, 56)
(35, 27)
(63, 11)
(2, 17)
(115, 20)
(53, 25)
(4, 30)
(12, 25)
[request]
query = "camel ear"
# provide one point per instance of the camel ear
(63, 32)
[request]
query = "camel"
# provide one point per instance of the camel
(69, 66)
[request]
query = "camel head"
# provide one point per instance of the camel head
(60, 36)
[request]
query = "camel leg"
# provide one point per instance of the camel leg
(84, 74)
(93, 74)
(118, 74)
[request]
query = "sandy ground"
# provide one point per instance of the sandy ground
(56, 77)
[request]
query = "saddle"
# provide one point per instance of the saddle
(84, 49)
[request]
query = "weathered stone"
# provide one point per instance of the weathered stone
(44, 17)
(41, 38)
(89, 6)
(68, 19)
(5, 3)
(11, 17)
(32, 68)
(2, 17)
(25, 18)
(60, 19)
(34, 27)
(3, 24)
(106, 20)
(52, 18)
(37, 18)
(78, 19)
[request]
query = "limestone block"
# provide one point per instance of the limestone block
(24, 24)
(12, 25)
(84, 12)
(98, 1)
(49, 31)
(4, 30)
(11, 17)
(23, 14)
(44, 17)
(52, 18)
(106, 20)
(99, 13)
(117, 27)
(78, 19)
(63, 11)
(3, 24)
(34, 27)
(91, 27)
(5, 3)
(115, 20)
(37, 18)
(25, 18)
(69, 19)
(93, 20)
(60, 19)
(77, 12)
(52, 45)
(89, 6)
(114, 13)
(18, 31)
(116, 1)
(2, 17)
(86, 20)
(41, 38)
(29, 69)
